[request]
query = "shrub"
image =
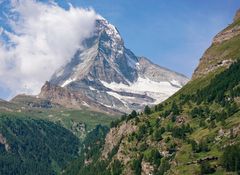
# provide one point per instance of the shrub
(136, 166)
(153, 156)
(231, 158)
(116, 168)
(206, 168)
(147, 110)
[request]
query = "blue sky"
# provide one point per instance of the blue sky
(173, 34)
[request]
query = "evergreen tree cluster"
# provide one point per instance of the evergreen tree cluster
(231, 158)
(35, 146)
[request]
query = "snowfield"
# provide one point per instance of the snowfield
(159, 91)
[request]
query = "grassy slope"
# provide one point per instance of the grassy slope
(184, 153)
(33, 107)
(65, 117)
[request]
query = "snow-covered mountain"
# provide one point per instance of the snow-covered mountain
(105, 75)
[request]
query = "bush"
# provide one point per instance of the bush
(136, 166)
(147, 110)
(206, 168)
(231, 158)
(201, 147)
(134, 113)
(157, 122)
(157, 135)
(159, 107)
(153, 156)
(175, 109)
(162, 130)
(180, 132)
(141, 132)
(164, 166)
(116, 168)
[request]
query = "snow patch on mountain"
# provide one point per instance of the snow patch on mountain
(92, 89)
(67, 82)
(142, 85)
(175, 82)
(110, 29)
(135, 92)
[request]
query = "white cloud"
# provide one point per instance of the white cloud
(44, 37)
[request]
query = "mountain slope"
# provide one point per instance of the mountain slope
(105, 75)
(79, 122)
(223, 51)
(31, 146)
(196, 131)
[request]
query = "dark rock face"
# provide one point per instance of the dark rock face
(108, 75)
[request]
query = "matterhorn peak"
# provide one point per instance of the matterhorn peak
(110, 29)
(105, 74)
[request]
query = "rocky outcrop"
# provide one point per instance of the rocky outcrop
(59, 95)
(29, 101)
(233, 132)
(226, 35)
(3, 141)
(79, 129)
(72, 99)
(230, 32)
(223, 50)
(147, 168)
(115, 136)
(206, 65)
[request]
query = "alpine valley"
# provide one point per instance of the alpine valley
(110, 112)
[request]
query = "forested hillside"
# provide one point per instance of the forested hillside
(193, 133)
(33, 146)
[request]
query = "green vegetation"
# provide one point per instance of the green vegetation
(164, 167)
(34, 146)
(147, 110)
(181, 132)
(48, 137)
(182, 135)
(136, 166)
(231, 158)
(153, 156)
(206, 168)
(67, 118)
(196, 131)
(116, 168)
(92, 146)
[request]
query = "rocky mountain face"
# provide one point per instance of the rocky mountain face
(223, 51)
(106, 76)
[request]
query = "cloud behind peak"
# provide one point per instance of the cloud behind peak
(41, 38)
